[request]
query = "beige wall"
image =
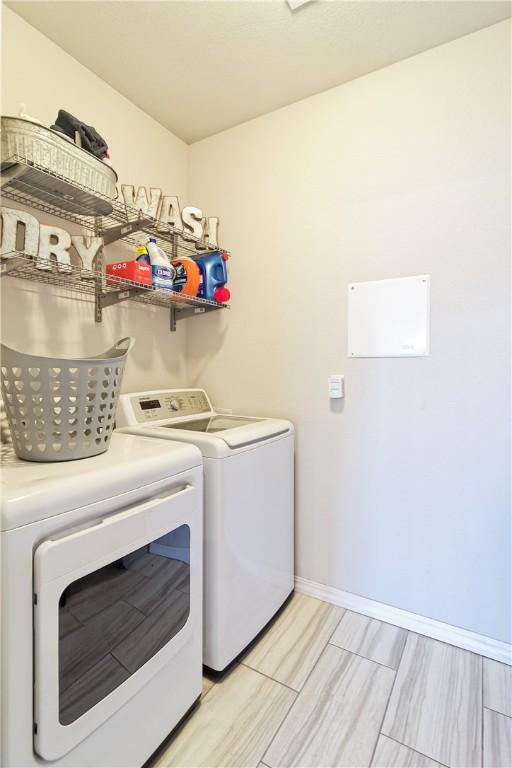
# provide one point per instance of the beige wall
(40, 74)
(402, 489)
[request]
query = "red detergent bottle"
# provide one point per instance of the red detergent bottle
(214, 276)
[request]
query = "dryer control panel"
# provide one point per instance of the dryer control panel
(173, 404)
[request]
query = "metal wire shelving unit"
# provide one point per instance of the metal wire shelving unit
(113, 289)
(34, 186)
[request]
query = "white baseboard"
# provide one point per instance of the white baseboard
(462, 638)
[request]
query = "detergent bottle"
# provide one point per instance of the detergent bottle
(142, 254)
(187, 276)
(157, 256)
(214, 276)
(161, 267)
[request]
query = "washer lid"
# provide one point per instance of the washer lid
(213, 424)
(220, 443)
(235, 431)
(33, 491)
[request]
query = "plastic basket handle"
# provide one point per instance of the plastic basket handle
(120, 349)
(124, 345)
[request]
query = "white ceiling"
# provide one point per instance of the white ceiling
(200, 66)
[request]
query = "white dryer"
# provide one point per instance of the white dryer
(248, 507)
(101, 611)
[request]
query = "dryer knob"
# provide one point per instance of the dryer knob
(175, 405)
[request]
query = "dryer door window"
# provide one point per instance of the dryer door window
(116, 599)
(114, 619)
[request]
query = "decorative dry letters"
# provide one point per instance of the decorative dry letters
(22, 232)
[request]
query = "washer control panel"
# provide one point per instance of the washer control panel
(154, 406)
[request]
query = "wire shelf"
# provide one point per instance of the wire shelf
(111, 289)
(35, 186)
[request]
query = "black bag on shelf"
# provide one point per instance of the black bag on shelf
(90, 139)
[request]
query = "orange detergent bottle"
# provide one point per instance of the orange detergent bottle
(186, 277)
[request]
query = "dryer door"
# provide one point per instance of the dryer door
(115, 600)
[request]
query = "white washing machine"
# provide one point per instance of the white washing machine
(248, 507)
(101, 611)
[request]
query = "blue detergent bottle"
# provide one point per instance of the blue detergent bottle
(214, 276)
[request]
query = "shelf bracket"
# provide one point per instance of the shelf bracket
(192, 312)
(98, 309)
(114, 297)
(112, 234)
(182, 313)
(11, 173)
(172, 318)
(9, 264)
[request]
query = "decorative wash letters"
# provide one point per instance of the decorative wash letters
(190, 221)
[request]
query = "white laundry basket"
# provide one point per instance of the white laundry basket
(62, 409)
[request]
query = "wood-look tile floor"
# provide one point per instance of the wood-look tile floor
(325, 687)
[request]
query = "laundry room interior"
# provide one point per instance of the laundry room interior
(255, 379)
